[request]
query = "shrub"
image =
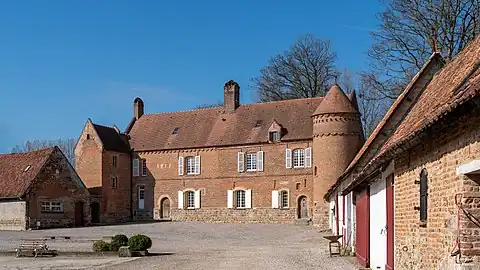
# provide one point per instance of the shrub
(139, 242)
(100, 245)
(118, 241)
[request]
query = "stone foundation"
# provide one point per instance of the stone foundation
(224, 215)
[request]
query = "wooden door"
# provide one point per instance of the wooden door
(303, 207)
(78, 214)
(165, 208)
(390, 223)
(362, 231)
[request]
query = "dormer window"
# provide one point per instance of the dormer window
(274, 136)
(259, 123)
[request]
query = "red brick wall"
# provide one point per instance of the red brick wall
(88, 157)
(219, 174)
(429, 247)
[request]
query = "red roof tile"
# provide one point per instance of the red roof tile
(211, 127)
(17, 171)
(336, 102)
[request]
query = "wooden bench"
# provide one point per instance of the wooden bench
(35, 247)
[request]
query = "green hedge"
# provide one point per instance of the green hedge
(139, 242)
(101, 245)
(118, 241)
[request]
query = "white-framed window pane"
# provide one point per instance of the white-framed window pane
(49, 206)
(251, 161)
(240, 198)
(190, 199)
(141, 193)
(284, 199)
(190, 161)
(299, 158)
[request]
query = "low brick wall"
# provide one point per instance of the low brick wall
(224, 215)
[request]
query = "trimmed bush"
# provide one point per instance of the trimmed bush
(139, 242)
(100, 245)
(118, 241)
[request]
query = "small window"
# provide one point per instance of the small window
(258, 123)
(284, 199)
(251, 162)
(27, 168)
(275, 136)
(175, 130)
(88, 136)
(144, 167)
(190, 165)
(114, 161)
(240, 199)
(299, 158)
(52, 206)
(114, 182)
(423, 195)
(135, 167)
(190, 200)
(297, 186)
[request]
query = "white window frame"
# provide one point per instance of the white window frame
(144, 167)
(281, 201)
(190, 165)
(52, 206)
(251, 161)
(239, 200)
(275, 136)
(141, 191)
(298, 158)
(189, 199)
(136, 168)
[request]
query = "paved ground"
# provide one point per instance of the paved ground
(189, 245)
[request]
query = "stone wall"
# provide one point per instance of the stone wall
(219, 174)
(224, 215)
(12, 216)
(429, 246)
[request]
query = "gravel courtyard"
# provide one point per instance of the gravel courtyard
(187, 245)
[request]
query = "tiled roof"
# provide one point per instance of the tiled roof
(111, 139)
(336, 101)
(211, 127)
(17, 171)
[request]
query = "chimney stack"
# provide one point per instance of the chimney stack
(231, 91)
(138, 107)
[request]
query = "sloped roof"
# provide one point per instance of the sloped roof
(211, 127)
(336, 101)
(111, 139)
(17, 171)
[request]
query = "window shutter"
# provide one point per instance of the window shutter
(180, 166)
(308, 157)
(248, 198)
(135, 167)
(240, 162)
(229, 198)
(288, 158)
(274, 198)
(197, 199)
(260, 161)
(197, 164)
(180, 199)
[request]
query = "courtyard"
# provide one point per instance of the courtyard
(185, 245)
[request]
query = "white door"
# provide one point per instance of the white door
(378, 223)
(141, 197)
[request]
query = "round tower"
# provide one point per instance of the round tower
(337, 137)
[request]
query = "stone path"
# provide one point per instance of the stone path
(189, 245)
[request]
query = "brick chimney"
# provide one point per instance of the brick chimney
(138, 107)
(231, 91)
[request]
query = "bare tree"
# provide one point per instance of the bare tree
(410, 31)
(370, 105)
(212, 105)
(66, 145)
(305, 70)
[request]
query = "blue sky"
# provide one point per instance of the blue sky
(65, 61)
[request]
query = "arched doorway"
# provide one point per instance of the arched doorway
(165, 208)
(302, 204)
(95, 211)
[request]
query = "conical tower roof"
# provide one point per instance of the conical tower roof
(335, 102)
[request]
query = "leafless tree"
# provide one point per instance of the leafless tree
(212, 105)
(66, 145)
(305, 70)
(410, 31)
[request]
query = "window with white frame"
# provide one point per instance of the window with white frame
(240, 199)
(284, 199)
(136, 165)
(251, 162)
(190, 165)
(274, 136)
(144, 167)
(299, 158)
(114, 182)
(52, 206)
(141, 197)
(190, 199)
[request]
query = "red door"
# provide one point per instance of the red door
(362, 235)
(390, 223)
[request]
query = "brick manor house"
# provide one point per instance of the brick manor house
(267, 162)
